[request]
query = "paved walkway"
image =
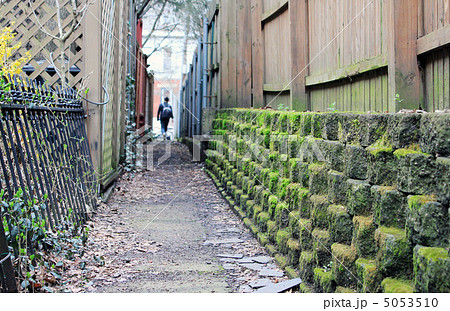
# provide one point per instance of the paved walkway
(169, 230)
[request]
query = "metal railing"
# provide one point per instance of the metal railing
(44, 155)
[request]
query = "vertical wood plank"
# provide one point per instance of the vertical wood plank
(257, 54)
(224, 53)
(446, 89)
(298, 14)
(92, 63)
(404, 77)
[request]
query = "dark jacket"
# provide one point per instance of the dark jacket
(164, 114)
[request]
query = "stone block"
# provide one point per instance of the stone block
(340, 224)
(321, 246)
(243, 202)
(332, 152)
(272, 204)
(263, 218)
(356, 162)
(293, 254)
(256, 211)
(318, 125)
(427, 222)
(343, 267)
(404, 129)
(324, 281)
(283, 188)
(294, 219)
(273, 182)
(294, 123)
(303, 201)
(294, 170)
(394, 252)
(431, 270)
(366, 271)
(284, 169)
(337, 187)
(319, 212)
(305, 229)
(281, 215)
(282, 238)
(363, 236)
(435, 134)
(344, 290)
(330, 129)
(257, 194)
(373, 127)
(306, 124)
(443, 180)
(397, 286)
(416, 172)
(306, 266)
(272, 231)
(349, 129)
(291, 197)
(237, 193)
(318, 178)
(382, 168)
(359, 198)
(389, 206)
(293, 146)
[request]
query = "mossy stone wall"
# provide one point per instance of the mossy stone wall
(348, 202)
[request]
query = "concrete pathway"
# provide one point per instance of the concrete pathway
(176, 234)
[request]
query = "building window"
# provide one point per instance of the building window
(167, 59)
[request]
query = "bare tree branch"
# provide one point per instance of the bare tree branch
(155, 23)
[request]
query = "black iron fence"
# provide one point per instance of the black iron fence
(44, 157)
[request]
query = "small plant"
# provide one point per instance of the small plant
(282, 107)
(33, 247)
(398, 99)
(332, 107)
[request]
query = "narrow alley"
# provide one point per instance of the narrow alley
(169, 230)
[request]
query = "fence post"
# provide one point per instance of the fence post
(404, 76)
(257, 54)
(5, 263)
(93, 63)
(298, 11)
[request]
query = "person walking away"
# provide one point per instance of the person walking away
(165, 113)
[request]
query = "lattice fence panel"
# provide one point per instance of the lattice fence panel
(108, 70)
(30, 18)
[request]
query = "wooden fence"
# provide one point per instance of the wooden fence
(309, 54)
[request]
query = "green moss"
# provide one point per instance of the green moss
(256, 211)
(282, 191)
(317, 168)
(377, 151)
(394, 286)
(305, 289)
(398, 233)
(344, 252)
(282, 238)
(282, 215)
(433, 253)
(324, 279)
(412, 149)
(415, 201)
(381, 145)
(273, 182)
(262, 238)
(344, 290)
(272, 230)
(291, 273)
